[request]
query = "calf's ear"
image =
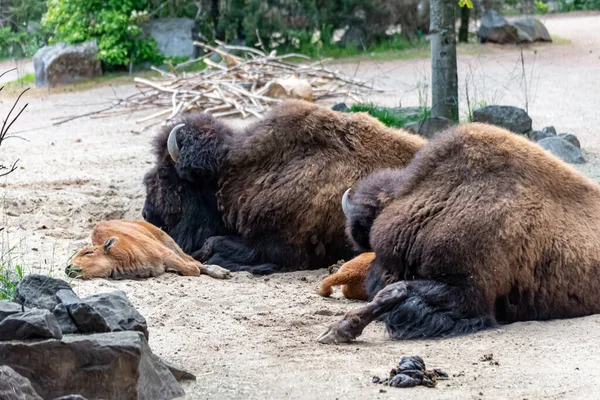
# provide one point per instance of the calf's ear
(109, 244)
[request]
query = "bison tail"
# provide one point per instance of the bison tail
(437, 310)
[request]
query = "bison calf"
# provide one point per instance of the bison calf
(351, 276)
(482, 227)
(134, 249)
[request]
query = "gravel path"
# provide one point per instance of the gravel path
(254, 338)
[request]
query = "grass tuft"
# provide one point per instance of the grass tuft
(389, 116)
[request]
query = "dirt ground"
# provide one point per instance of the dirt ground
(254, 337)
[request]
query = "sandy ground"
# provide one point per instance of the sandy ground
(254, 337)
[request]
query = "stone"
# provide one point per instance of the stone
(66, 323)
(179, 373)
(569, 137)
(116, 365)
(341, 107)
(9, 308)
(429, 126)
(549, 129)
(514, 119)
(495, 28)
(562, 149)
(14, 386)
(174, 36)
(105, 312)
(539, 135)
(534, 29)
(32, 324)
(62, 63)
(39, 291)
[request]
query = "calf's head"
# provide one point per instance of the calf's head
(181, 187)
(95, 261)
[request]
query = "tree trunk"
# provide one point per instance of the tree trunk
(444, 80)
(463, 32)
(214, 13)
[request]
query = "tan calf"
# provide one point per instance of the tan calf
(351, 276)
(135, 249)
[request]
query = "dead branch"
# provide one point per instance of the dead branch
(6, 125)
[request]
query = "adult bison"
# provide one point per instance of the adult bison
(266, 199)
(482, 227)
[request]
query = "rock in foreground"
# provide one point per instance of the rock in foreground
(117, 365)
(14, 386)
(514, 119)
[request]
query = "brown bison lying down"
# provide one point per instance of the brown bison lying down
(266, 199)
(482, 227)
(134, 249)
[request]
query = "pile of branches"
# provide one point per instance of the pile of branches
(246, 82)
(6, 124)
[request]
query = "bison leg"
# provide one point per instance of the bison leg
(353, 323)
(417, 309)
(215, 271)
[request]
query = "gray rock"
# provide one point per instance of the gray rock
(534, 29)
(179, 373)
(569, 137)
(9, 308)
(512, 118)
(67, 325)
(428, 127)
(174, 36)
(549, 129)
(39, 291)
(62, 63)
(539, 135)
(341, 107)
(33, 324)
(106, 312)
(495, 28)
(14, 386)
(116, 365)
(562, 149)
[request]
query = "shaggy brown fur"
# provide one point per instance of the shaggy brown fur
(482, 226)
(280, 182)
(351, 276)
(134, 249)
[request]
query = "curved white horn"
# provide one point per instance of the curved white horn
(172, 142)
(346, 203)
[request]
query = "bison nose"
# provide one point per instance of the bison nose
(144, 214)
(72, 270)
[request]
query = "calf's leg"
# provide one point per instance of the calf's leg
(417, 309)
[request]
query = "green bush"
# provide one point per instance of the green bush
(115, 24)
(21, 34)
(579, 5)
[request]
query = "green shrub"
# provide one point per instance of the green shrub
(541, 7)
(115, 24)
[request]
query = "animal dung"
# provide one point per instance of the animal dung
(411, 372)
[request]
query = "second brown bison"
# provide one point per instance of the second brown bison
(267, 198)
(482, 227)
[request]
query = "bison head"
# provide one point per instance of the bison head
(361, 208)
(181, 188)
(94, 261)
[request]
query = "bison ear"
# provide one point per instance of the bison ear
(109, 244)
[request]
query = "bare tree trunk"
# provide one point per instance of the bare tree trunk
(463, 32)
(444, 80)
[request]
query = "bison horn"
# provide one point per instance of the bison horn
(172, 142)
(347, 205)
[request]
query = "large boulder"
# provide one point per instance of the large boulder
(14, 386)
(562, 149)
(512, 118)
(495, 28)
(534, 29)
(8, 308)
(117, 365)
(105, 312)
(174, 36)
(62, 63)
(39, 291)
(569, 137)
(33, 324)
(428, 127)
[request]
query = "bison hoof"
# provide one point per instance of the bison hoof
(340, 332)
(216, 272)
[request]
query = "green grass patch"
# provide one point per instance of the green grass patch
(10, 276)
(391, 117)
(560, 40)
